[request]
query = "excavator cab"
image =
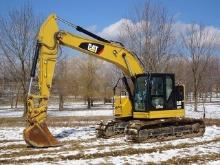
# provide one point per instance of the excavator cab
(153, 93)
(156, 93)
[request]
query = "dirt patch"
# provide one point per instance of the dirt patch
(200, 159)
(12, 121)
(74, 121)
(55, 121)
(209, 122)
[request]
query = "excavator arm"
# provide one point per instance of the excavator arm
(49, 39)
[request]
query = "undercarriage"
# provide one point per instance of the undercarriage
(111, 128)
(152, 130)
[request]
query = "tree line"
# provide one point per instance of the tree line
(150, 33)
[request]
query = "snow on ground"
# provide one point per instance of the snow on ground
(94, 112)
(63, 133)
(71, 109)
(212, 110)
(82, 142)
(10, 113)
(80, 145)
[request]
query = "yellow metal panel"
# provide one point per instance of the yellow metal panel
(123, 107)
(48, 54)
(159, 114)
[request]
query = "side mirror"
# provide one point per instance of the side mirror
(179, 92)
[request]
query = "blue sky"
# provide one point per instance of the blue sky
(102, 13)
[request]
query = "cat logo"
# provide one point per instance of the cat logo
(92, 48)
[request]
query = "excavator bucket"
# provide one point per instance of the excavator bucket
(38, 135)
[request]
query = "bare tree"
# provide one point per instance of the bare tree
(72, 80)
(198, 46)
(67, 79)
(61, 84)
(149, 34)
(217, 81)
(17, 32)
(83, 76)
(2, 79)
(210, 78)
(89, 78)
(107, 79)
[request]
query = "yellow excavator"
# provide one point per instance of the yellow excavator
(152, 110)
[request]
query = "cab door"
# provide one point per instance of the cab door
(141, 93)
(162, 92)
(157, 92)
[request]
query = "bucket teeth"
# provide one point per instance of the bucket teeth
(38, 135)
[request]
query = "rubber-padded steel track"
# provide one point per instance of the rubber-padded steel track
(164, 129)
(152, 130)
(111, 128)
